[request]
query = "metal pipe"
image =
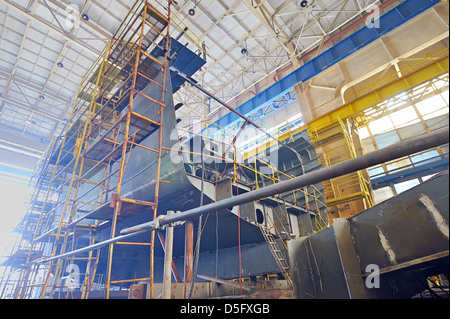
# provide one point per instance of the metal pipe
(175, 272)
(389, 153)
(91, 247)
(384, 155)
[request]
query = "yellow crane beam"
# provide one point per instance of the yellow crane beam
(403, 83)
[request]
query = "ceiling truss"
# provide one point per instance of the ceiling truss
(248, 41)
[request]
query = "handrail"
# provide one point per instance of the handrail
(273, 178)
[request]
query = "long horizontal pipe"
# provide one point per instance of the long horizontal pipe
(91, 247)
(392, 152)
(384, 155)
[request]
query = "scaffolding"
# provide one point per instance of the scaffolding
(72, 201)
(254, 160)
(82, 172)
(336, 145)
(23, 249)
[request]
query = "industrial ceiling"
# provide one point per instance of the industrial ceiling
(46, 46)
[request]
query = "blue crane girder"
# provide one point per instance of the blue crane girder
(387, 22)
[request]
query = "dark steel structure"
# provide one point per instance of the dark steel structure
(387, 251)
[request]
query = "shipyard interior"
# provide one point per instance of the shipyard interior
(224, 149)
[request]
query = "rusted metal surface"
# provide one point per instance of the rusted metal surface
(257, 290)
(270, 294)
(225, 282)
(137, 291)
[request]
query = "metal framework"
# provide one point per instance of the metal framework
(364, 36)
(103, 129)
(389, 153)
(336, 146)
(333, 138)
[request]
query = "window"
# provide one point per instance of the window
(431, 105)
(363, 133)
(424, 156)
(378, 171)
(382, 194)
(427, 177)
(386, 139)
(381, 125)
(404, 117)
(404, 186)
(398, 164)
(436, 114)
(445, 96)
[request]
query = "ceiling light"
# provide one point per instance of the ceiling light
(60, 64)
(42, 97)
(85, 17)
(244, 51)
(304, 3)
(191, 11)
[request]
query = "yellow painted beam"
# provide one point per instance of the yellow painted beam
(345, 199)
(404, 83)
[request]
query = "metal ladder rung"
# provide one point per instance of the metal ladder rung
(277, 254)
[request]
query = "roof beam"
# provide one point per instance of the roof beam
(36, 104)
(29, 108)
(262, 16)
(31, 7)
(35, 87)
(50, 27)
(93, 26)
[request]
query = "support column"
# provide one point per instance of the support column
(167, 281)
(189, 252)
